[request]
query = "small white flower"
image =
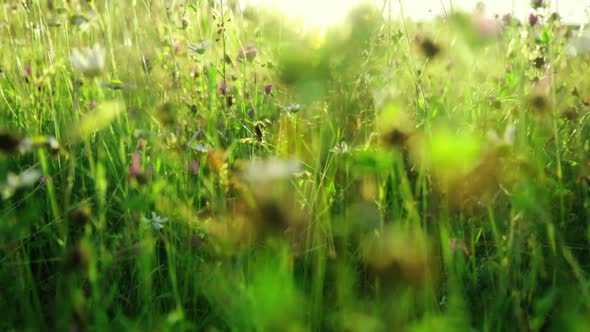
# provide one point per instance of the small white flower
(293, 108)
(342, 148)
(88, 61)
(156, 221)
(15, 182)
(200, 47)
(199, 147)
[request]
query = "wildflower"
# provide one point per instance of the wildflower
(177, 47)
(28, 144)
(15, 182)
(536, 4)
(28, 71)
(141, 144)
(554, 17)
(89, 61)
(194, 167)
(533, 19)
(200, 47)
(184, 24)
(396, 137)
(135, 168)
(268, 89)
(156, 221)
(539, 103)
(429, 48)
(249, 53)
(539, 62)
(45, 179)
(293, 108)
(230, 100)
(251, 113)
(223, 88)
(199, 147)
(341, 148)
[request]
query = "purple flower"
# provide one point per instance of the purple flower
(533, 19)
(44, 179)
(251, 113)
(223, 88)
(268, 89)
(194, 166)
(249, 53)
(536, 4)
(135, 167)
(177, 47)
(28, 70)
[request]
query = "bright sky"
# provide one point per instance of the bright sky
(322, 12)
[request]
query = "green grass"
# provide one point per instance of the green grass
(372, 189)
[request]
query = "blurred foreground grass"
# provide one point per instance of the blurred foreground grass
(177, 166)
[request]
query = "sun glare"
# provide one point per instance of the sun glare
(312, 13)
(323, 13)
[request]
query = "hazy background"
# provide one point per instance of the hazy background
(320, 12)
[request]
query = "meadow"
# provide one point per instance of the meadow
(187, 166)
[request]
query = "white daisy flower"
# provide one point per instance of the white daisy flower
(88, 61)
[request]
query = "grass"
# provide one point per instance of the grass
(378, 176)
